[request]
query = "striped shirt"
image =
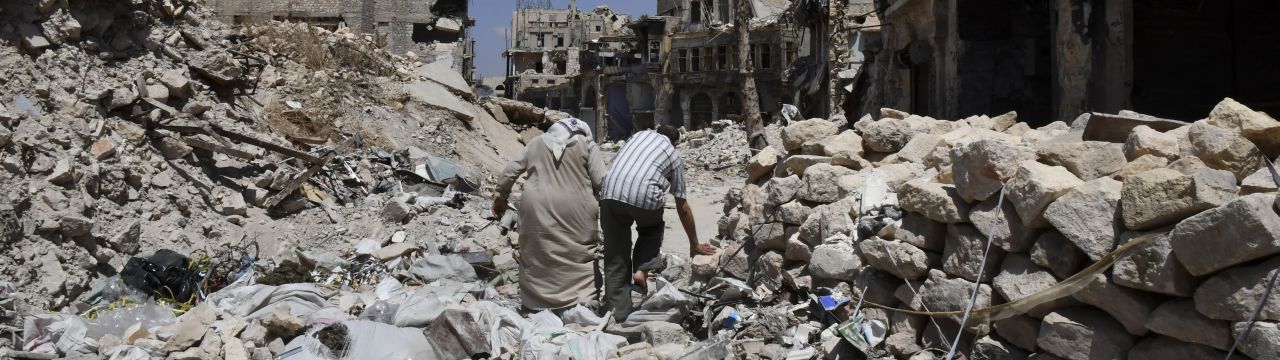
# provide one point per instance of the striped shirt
(643, 171)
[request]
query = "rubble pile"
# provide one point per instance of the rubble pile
(1116, 236)
(718, 147)
(157, 164)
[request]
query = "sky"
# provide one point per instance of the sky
(493, 17)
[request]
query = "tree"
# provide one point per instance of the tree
(750, 99)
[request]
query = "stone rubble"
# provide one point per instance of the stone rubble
(133, 128)
(1194, 196)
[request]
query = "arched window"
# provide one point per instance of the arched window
(700, 111)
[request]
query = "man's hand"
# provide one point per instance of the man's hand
(499, 207)
(702, 249)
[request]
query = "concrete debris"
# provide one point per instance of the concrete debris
(306, 176)
(1068, 203)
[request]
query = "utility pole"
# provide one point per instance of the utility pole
(750, 99)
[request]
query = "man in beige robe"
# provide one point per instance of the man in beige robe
(559, 215)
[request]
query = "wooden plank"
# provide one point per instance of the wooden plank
(268, 145)
(297, 181)
(200, 143)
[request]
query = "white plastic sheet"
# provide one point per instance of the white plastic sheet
(435, 267)
(505, 326)
(549, 339)
(581, 315)
(258, 301)
(369, 340)
(424, 306)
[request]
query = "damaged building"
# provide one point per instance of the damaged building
(435, 30)
(1052, 60)
(553, 55)
(704, 83)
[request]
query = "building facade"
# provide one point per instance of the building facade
(555, 57)
(434, 29)
(1051, 60)
(703, 82)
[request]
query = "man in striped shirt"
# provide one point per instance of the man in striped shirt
(634, 192)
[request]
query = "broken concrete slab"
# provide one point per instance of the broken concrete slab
(443, 74)
(455, 334)
(834, 261)
(821, 183)
(435, 95)
(1140, 165)
(1002, 224)
(996, 348)
(1021, 330)
(798, 164)
(921, 232)
(762, 163)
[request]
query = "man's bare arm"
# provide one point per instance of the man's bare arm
(691, 229)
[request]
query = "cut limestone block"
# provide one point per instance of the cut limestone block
(1129, 307)
(1153, 267)
(1035, 186)
(1003, 225)
(1242, 230)
(981, 167)
(938, 202)
(1083, 334)
(1088, 160)
(1089, 216)
(962, 256)
(1233, 294)
(1164, 196)
(1059, 255)
(1223, 149)
(1180, 320)
(1162, 347)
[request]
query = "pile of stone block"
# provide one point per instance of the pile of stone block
(903, 208)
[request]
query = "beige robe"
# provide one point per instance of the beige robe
(559, 222)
